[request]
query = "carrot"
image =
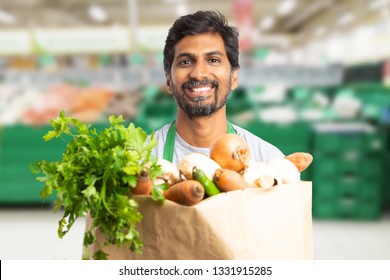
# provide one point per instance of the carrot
(144, 184)
(188, 192)
(228, 180)
(300, 160)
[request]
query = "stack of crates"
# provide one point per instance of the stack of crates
(239, 108)
(289, 138)
(348, 172)
(22, 145)
(386, 196)
(155, 112)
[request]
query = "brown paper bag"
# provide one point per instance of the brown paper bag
(244, 224)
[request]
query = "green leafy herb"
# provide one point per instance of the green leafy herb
(95, 175)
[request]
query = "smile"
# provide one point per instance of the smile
(201, 89)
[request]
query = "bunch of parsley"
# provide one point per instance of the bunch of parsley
(95, 175)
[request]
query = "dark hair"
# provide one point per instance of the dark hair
(198, 23)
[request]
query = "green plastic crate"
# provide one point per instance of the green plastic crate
(325, 189)
(324, 209)
(349, 164)
(372, 167)
(347, 207)
(375, 142)
(325, 167)
(156, 112)
(369, 210)
(371, 190)
(346, 142)
(327, 143)
(348, 185)
(290, 138)
(351, 141)
(21, 146)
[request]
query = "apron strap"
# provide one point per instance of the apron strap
(170, 141)
(231, 129)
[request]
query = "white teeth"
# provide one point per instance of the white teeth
(201, 89)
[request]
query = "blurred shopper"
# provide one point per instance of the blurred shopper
(201, 68)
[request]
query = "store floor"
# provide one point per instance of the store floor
(31, 233)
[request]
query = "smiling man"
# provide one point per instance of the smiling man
(201, 68)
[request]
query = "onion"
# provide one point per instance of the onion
(230, 151)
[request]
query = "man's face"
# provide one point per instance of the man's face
(201, 77)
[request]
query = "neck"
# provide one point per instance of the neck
(201, 132)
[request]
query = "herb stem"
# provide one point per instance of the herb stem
(104, 186)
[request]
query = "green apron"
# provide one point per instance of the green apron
(169, 146)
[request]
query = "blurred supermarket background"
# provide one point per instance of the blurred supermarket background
(314, 77)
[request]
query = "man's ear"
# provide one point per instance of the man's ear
(169, 83)
(234, 77)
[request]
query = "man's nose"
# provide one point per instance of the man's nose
(200, 71)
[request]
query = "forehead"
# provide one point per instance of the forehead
(200, 44)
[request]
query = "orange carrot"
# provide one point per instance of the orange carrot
(189, 192)
(300, 160)
(144, 184)
(228, 180)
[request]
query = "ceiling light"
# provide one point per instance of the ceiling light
(286, 7)
(97, 13)
(174, 1)
(378, 4)
(181, 9)
(345, 19)
(385, 13)
(320, 31)
(7, 18)
(267, 23)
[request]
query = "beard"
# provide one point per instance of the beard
(201, 106)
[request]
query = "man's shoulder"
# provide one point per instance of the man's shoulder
(246, 134)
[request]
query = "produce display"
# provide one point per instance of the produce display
(35, 106)
(101, 174)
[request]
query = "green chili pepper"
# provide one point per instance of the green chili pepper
(209, 187)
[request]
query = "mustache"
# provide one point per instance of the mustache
(195, 83)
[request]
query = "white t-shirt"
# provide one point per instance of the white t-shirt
(260, 150)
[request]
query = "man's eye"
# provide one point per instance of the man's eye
(214, 60)
(185, 62)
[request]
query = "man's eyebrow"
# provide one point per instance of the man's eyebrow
(214, 53)
(191, 55)
(185, 54)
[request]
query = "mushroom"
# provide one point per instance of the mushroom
(288, 172)
(261, 175)
(170, 175)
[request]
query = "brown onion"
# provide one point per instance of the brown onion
(230, 151)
